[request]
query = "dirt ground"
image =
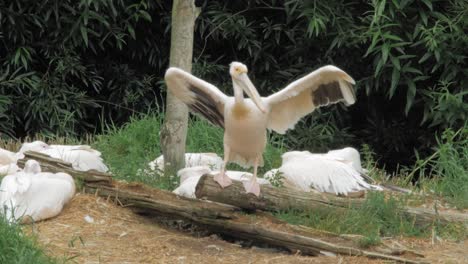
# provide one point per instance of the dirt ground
(93, 230)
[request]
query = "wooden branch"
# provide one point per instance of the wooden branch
(229, 220)
(273, 199)
(54, 165)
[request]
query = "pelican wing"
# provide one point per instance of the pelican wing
(201, 97)
(7, 157)
(81, 159)
(324, 86)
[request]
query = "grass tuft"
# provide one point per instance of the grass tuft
(16, 247)
(451, 166)
(377, 216)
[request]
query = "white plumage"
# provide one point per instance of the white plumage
(189, 178)
(212, 160)
(7, 157)
(245, 121)
(82, 157)
(8, 162)
(334, 172)
(9, 169)
(34, 195)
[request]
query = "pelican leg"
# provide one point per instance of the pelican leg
(252, 186)
(221, 178)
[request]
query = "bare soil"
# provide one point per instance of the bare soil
(112, 234)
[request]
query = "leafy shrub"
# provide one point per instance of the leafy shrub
(70, 67)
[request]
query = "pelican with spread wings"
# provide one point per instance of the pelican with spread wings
(245, 120)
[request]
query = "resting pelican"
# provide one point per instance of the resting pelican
(191, 160)
(82, 157)
(34, 195)
(245, 121)
(338, 171)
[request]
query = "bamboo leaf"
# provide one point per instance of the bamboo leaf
(395, 62)
(84, 34)
(373, 43)
(410, 94)
(131, 31)
(395, 81)
(387, 35)
(428, 3)
(385, 52)
(381, 8)
(145, 15)
(380, 64)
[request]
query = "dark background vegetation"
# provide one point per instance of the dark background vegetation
(69, 67)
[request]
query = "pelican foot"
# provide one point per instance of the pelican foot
(252, 187)
(222, 179)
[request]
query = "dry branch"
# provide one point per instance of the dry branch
(229, 220)
(273, 199)
(50, 164)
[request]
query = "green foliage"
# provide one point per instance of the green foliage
(377, 217)
(61, 61)
(15, 247)
(72, 66)
(128, 149)
(452, 166)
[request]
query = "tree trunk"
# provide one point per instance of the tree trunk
(174, 130)
(273, 199)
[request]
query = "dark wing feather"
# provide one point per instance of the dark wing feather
(206, 106)
(324, 86)
(201, 97)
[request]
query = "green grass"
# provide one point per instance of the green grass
(451, 166)
(128, 149)
(375, 218)
(16, 247)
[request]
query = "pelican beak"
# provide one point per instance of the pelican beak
(251, 91)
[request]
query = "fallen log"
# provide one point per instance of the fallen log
(230, 220)
(274, 199)
(49, 164)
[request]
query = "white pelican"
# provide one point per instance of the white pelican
(189, 178)
(82, 157)
(8, 162)
(333, 172)
(211, 160)
(9, 169)
(34, 195)
(7, 157)
(245, 121)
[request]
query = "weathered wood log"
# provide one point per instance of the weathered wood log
(230, 220)
(54, 165)
(274, 199)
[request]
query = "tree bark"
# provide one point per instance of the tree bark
(174, 130)
(273, 199)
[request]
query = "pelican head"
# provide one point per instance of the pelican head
(240, 79)
(32, 166)
(34, 146)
